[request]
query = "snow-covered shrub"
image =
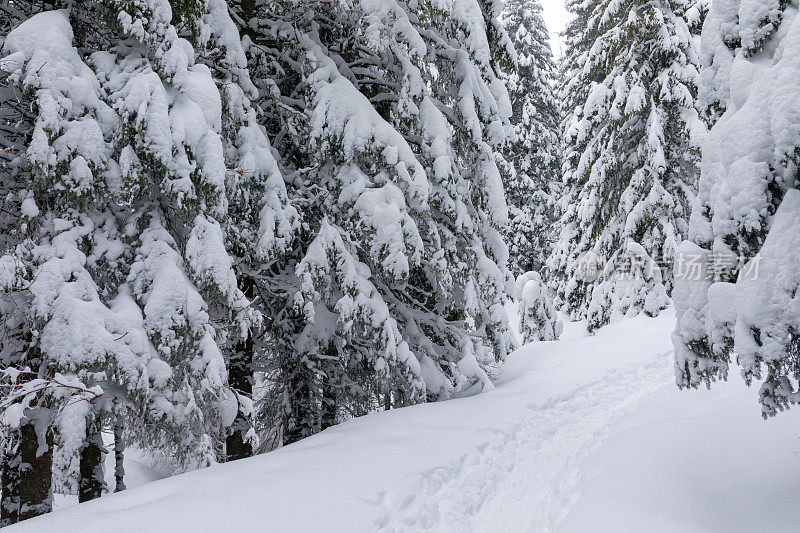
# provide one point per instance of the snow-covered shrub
(631, 283)
(538, 319)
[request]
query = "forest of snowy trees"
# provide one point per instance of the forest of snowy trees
(228, 225)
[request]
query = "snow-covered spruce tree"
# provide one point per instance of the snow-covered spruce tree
(172, 153)
(262, 222)
(737, 279)
(33, 110)
(534, 155)
(388, 118)
(538, 319)
(338, 349)
(630, 159)
(26, 480)
(119, 268)
(454, 109)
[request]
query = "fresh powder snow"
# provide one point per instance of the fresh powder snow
(587, 433)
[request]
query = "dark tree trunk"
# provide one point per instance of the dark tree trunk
(330, 394)
(301, 414)
(329, 404)
(240, 379)
(119, 454)
(387, 401)
(92, 481)
(248, 9)
(9, 507)
(399, 399)
(240, 376)
(35, 471)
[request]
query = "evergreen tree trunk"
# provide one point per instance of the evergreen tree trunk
(92, 480)
(9, 507)
(35, 472)
(240, 379)
(300, 417)
(119, 455)
(387, 401)
(248, 9)
(399, 399)
(328, 407)
(240, 375)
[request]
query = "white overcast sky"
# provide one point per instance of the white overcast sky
(555, 17)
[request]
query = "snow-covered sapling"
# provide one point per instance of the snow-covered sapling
(538, 319)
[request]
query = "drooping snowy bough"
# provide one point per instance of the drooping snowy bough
(737, 278)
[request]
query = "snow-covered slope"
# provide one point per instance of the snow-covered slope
(571, 425)
(693, 461)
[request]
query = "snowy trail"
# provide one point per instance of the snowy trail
(525, 480)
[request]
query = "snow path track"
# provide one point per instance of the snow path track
(526, 479)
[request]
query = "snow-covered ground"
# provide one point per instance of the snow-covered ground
(583, 434)
(693, 461)
(139, 470)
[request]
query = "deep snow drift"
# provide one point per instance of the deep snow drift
(580, 434)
